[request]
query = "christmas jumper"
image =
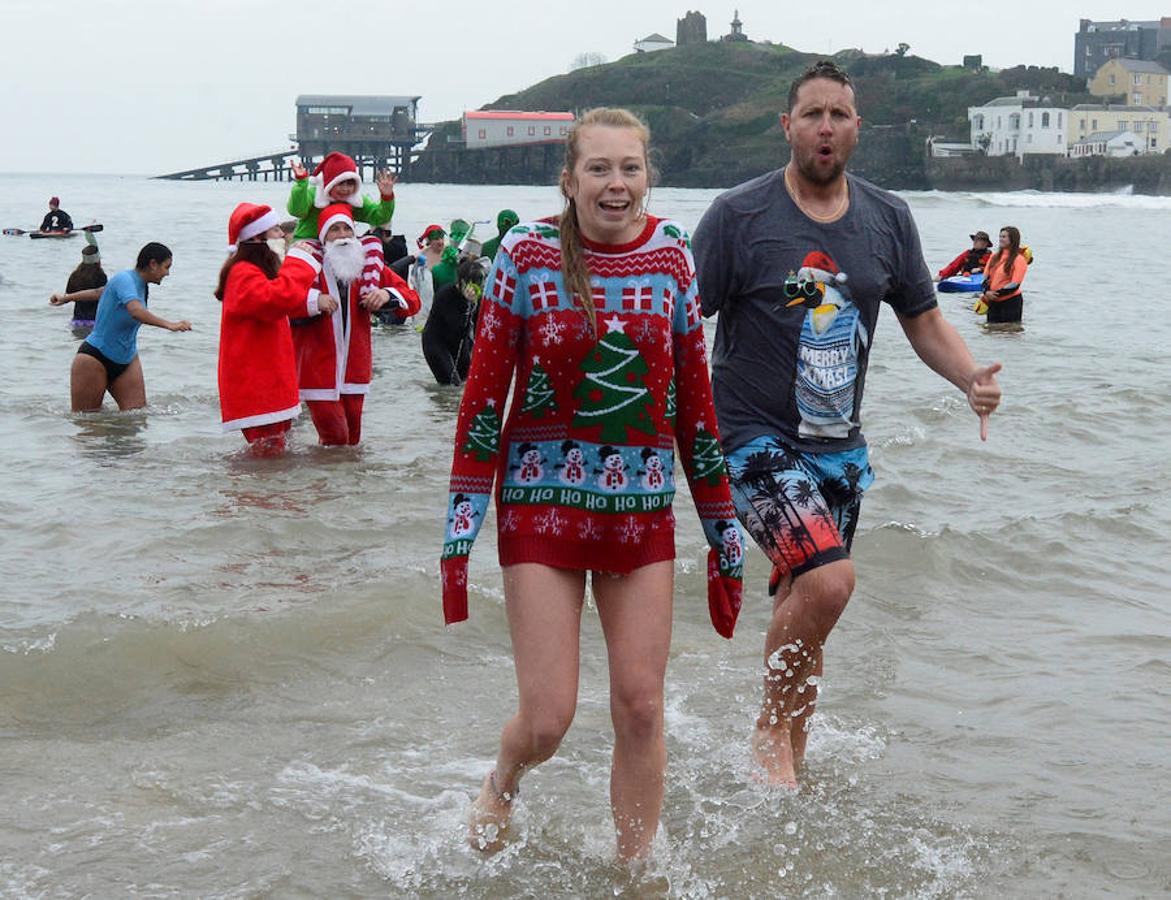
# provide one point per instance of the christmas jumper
(333, 352)
(257, 367)
(587, 473)
(302, 205)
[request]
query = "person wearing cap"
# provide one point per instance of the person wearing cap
(84, 288)
(334, 364)
(56, 219)
(107, 359)
(505, 219)
(336, 180)
(972, 260)
(257, 370)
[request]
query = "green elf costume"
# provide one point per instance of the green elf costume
(311, 195)
(505, 219)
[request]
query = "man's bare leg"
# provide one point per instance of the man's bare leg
(802, 620)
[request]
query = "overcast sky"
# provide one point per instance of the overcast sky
(150, 86)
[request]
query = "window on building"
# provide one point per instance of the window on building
(1093, 124)
(1014, 121)
(511, 132)
(532, 131)
(1059, 117)
(998, 125)
(1044, 120)
(548, 129)
(1030, 119)
(564, 130)
(1123, 125)
(1152, 127)
(1136, 98)
(979, 123)
(1138, 79)
(1111, 80)
(483, 134)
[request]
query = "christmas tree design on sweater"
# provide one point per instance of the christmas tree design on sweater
(584, 464)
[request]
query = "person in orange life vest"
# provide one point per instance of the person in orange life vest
(1002, 279)
(333, 352)
(972, 260)
(257, 368)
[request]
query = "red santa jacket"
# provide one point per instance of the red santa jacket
(333, 351)
(257, 365)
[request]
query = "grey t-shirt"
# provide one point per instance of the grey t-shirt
(798, 301)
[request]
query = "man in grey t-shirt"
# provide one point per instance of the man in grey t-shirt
(797, 264)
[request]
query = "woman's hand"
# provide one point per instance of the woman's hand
(326, 303)
(182, 325)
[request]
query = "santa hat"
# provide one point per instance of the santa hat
(333, 170)
(331, 215)
(422, 239)
(818, 266)
(247, 221)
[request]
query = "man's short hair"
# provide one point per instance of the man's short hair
(823, 68)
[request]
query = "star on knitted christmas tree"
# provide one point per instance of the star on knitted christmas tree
(669, 415)
(539, 393)
(707, 460)
(484, 434)
(613, 392)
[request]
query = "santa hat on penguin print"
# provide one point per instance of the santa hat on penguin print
(247, 221)
(818, 266)
(335, 169)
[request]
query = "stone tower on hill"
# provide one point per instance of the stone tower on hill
(691, 29)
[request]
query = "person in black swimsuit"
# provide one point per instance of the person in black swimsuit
(448, 334)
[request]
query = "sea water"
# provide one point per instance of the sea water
(230, 678)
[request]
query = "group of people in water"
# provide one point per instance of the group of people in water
(593, 317)
(1003, 272)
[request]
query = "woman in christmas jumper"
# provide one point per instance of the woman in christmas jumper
(333, 352)
(598, 313)
(336, 180)
(257, 368)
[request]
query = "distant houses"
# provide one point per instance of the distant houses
(501, 127)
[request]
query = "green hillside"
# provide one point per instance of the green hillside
(713, 107)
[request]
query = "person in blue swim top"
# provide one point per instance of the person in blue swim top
(108, 360)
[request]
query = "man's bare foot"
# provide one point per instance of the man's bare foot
(489, 817)
(772, 749)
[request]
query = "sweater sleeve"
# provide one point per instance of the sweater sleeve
(477, 435)
(697, 436)
(300, 199)
(252, 294)
(375, 213)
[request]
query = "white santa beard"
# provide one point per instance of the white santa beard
(345, 257)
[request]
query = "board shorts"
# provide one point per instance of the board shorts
(800, 508)
(113, 369)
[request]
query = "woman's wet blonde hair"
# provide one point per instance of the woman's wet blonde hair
(574, 271)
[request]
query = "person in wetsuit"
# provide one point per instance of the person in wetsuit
(448, 334)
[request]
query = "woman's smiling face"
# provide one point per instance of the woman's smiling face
(608, 183)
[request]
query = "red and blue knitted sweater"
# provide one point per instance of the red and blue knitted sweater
(587, 474)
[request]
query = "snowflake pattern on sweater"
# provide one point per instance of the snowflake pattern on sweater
(584, 465)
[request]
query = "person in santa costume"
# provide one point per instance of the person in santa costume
(257, 367)
(336, 180)
(333, 352)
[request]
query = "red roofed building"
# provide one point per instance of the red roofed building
(500, 128)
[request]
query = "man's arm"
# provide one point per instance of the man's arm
(141, 314)
(940, 346)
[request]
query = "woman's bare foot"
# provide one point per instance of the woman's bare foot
(772, 749)
(489, 817)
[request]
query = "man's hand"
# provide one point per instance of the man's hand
(182, 325)
(984, 395)
(326, 303)
(375, 299)
(298, 170)
(386, 182)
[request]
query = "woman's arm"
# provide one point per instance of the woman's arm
(140, 313)
(76, 296)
